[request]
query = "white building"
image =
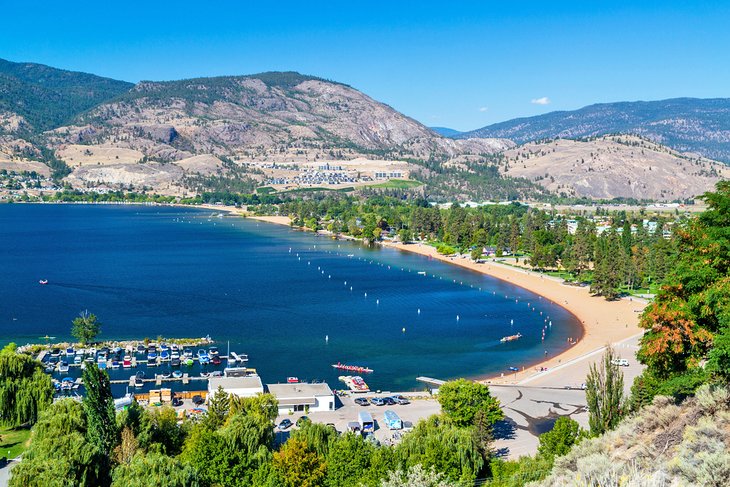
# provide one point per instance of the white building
(239, 386)
(297, 397)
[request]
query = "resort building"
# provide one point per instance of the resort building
(302, 397)
(239, 386)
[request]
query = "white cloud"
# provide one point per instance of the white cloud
(541, 101)
(483, 109)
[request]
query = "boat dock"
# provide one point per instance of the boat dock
(433, 384)
(354, 383)
(135, 363)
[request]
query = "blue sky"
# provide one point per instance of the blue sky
(456, 64)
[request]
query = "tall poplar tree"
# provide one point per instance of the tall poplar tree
(98, 405)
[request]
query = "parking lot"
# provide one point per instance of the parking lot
(422, 405)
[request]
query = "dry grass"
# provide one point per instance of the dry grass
(662, 445)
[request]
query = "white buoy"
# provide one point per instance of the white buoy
(419, 311)
(403, 329)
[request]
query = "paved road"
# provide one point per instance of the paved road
(5, 472)
(531, 411)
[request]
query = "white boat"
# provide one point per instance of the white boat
(421, 273)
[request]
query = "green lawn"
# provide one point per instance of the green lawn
(398, 184)
(13, 441)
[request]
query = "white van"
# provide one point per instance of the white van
(620, 361)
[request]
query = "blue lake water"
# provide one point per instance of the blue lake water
(272, 292)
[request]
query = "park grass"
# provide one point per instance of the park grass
(13, 441)
(398, 184)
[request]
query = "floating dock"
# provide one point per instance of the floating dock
(354, 383)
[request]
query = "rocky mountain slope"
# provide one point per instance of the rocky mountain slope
(694, 125)
(259, 115)
(613, 166)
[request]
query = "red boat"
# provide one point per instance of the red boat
(353, 368)
(43, 282)
(292, 380)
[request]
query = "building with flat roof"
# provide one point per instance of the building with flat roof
(302, 397)
(239, 386)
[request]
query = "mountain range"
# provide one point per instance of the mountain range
(185, 136)
(701, 126)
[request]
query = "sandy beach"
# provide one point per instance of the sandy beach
(604, 322)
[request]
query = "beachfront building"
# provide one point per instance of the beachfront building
(239, 386)
(302, 397)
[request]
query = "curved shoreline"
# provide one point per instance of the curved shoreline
(603, 322)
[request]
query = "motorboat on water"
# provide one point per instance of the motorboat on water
(213, 352)
(63, 367)
(127, 361)
(510, 338)
(175, 362)
(43, 282)
(177, 374)
(292, 380)
(203, 357)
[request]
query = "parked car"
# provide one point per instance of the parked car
(285, 423)
(302, 420)
(401, 400)
(377, 401)
(362, 401)
(620, 361)
(389, 401)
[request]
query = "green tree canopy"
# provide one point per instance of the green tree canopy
(86, 327)
(604, 394)
(98, 405)
(25, 390)
(461, 400)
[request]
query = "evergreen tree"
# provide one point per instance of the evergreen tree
(604, 394)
